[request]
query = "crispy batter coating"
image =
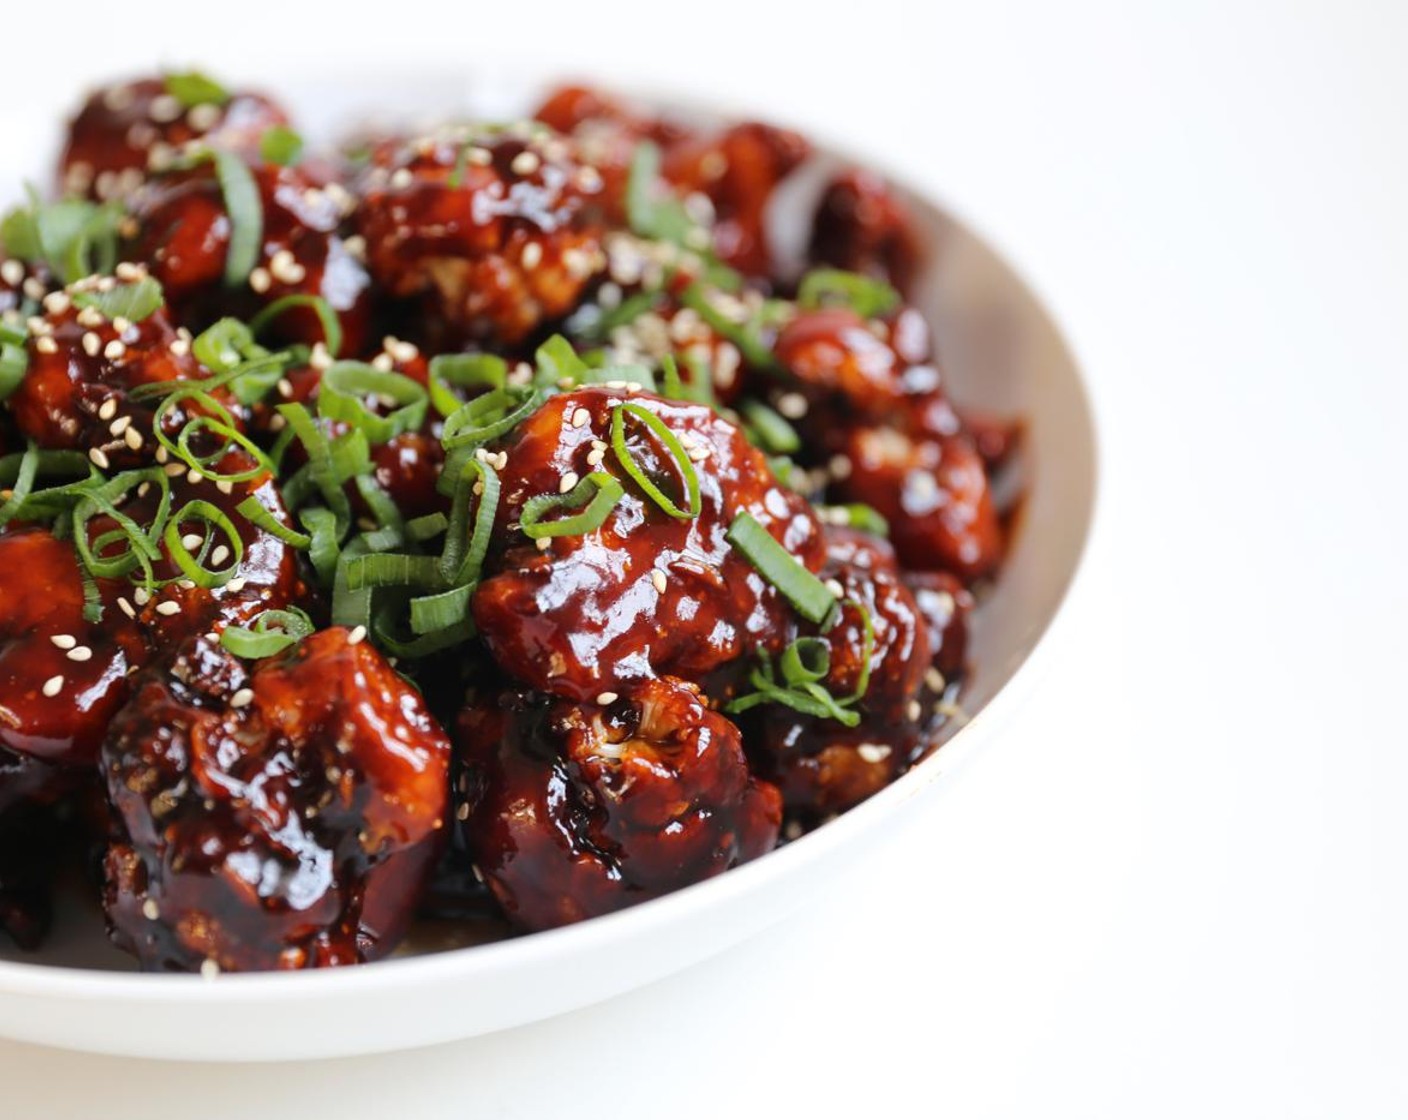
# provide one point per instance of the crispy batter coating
(576, 810)
(820, 765)
(123, 127)
(494, 234)
(77, 392)
(183, 230)
(861, 225)
(280, 814)
(646, 593)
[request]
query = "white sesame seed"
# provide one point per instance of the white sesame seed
(260, 280)
(91, 345)
(202, 117)
(383, 362)
(150, 911)
(242, 698)
(588, 179)
(168, 608)
(33, 288)
(532, 255)
(580, 418)
(79, 653)
(164, 108)
(194, 476)
(657, 577)
(543, 544)
(236, 584)
(120, 425)
(133, 439)
(180, 348)
(173, 469)
(52, 685)
(46, 345)
(142, 596)
(127, 608)
(792, 405)
(63, 641)
(129, 271)
(834, 586)
(526, 162)
(595, 456)
(99, 459)
(191, 541)
(161, 455)
(56, 303)
(567, 481)
(480, 157)
(356, 634)
(219, 555)
(914, 711)
(606, 698)
(873, 752)
(120, 324)
(90, 317)
(114, 350)
(462, 812)
(12, 272)
(401, 178)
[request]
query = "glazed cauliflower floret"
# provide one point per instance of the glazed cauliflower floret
(575, 810)
(645, 593)
(496, 233)
(281, 814)
(123, 127)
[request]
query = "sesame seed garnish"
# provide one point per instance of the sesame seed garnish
(532, 255)
(792, 405)
(588, 179)
(401, 178)
(914, 711)
(120, 324)
(462, 812)
(56, 303)
(595, 456)
(180, 348)
(127, 608)
(46, 345)
(164, 108)
(133, 438)
(834, 586)
(383, 362)
(128, 270)
(168, 608)
(161, 455)
(12, 272)
(90, 317)
(33, 288)
(260, 280)
(114, 350)
(225, 486)
(567, 481)
(606, 698)
(142, 596)
(480, 157)
(120, 425)
(99, 460)
(285, 388)
(219, 555)
(209, 968)
(150, 911)
(580, 418)
(657, 577)
(356, 634)
(873, 752)
(194, 476)
(53, 685)
(63, 641)
(526, 162)
(236, 584)
(191, 540)
(171, 470)
(283, 267)
(203, 116)
(242, 698)
(544, 543)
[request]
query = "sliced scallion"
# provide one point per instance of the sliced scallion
(780, 568)
(683, 464)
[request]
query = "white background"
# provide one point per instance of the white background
(1177, 886)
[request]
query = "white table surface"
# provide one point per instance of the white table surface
(1177, 886)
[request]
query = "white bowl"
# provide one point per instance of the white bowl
(1002, 353)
